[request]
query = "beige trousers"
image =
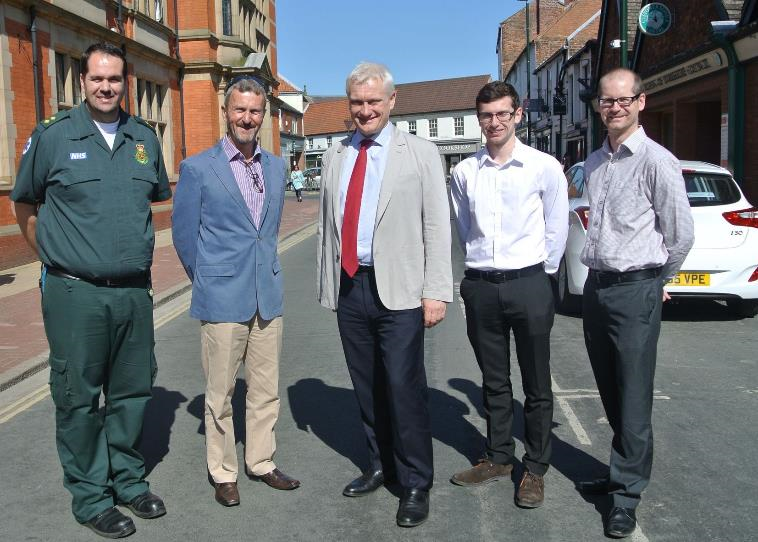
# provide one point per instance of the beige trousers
(225, 345)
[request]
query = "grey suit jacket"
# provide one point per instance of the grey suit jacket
(411, 246)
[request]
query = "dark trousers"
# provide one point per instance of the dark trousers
(384, 350)
(621, 327)
(526, 306)
(101, 340)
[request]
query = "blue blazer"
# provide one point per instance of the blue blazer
(233, 265)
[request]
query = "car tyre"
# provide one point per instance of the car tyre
(566, 302)
(744, 308)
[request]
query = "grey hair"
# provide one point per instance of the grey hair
(370, 70)
(244, 84)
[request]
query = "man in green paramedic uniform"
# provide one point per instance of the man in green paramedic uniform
(82, 199)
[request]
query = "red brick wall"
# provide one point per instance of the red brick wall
(196, 14)
(201, 115)
(176, 127)
(542, 14)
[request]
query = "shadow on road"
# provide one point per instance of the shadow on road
(159, 418)
(7, 278)
(574, 463)
(197, 409)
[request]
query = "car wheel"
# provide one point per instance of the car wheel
(567, 302)
(744, 308)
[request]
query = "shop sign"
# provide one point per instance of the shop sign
(697, 67)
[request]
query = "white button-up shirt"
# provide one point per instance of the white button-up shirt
(512, 215)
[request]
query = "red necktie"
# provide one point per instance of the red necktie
(353, 211)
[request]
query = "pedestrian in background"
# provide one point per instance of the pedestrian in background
(640, 231)
(511, 205)
(297, 179)
(82, 200)
(383, 263)
(225, 225)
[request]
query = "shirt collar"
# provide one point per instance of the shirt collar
(382, 138)
(631, 143)
(233, 152)
(517, 155)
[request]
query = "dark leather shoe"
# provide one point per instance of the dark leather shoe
(147, 506)
(483, 472)
(366, 483)
(531, 491)
(414, 508)
(111, 524)
(621, 522)
(227, 494)
(594, 487)
(278, 480)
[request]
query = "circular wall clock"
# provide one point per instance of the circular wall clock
(655, 19)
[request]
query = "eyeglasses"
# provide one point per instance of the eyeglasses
(502, 116)
(623, 101)
(251, 173)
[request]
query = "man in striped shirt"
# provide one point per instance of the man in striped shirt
(227, 211)
(639, 233)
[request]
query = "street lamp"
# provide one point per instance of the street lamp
(528, 79)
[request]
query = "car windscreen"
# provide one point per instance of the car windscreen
(704, 189)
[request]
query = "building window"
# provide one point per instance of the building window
(310, 142)
(458, 125)
(151, 106)
(570, 99)
(226, 16)
(67, 83)
(328, 141)
(432, 127)
(151, 8)
(412, 127)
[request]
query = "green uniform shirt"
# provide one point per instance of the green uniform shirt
(94, 219)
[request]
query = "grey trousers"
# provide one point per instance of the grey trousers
(622, 323)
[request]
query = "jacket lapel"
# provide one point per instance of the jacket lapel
(268, 183)
(334, 182)
(391, 172)
(223, 171)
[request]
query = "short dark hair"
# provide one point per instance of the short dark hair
(105, 49)
(495, 90)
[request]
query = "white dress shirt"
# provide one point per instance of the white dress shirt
(513, 215)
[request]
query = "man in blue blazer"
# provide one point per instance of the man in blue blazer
(227, 211)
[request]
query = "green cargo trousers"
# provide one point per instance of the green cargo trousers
(101, 340)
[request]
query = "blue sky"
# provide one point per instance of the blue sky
(320, 41)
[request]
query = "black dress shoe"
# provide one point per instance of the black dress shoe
(147, 506)
(111, 524)
(366, 483)
(621, 522)
(594, 487)
(414, 507)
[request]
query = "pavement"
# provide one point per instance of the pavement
(23, 346)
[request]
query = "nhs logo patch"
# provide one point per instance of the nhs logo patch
(78, 156)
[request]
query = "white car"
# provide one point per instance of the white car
(723, 263)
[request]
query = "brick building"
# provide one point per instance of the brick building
(694, 108)
(180, 54)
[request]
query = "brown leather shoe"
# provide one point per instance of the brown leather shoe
(483, 472)
(531, 491)
(278, 480)
(227, 494)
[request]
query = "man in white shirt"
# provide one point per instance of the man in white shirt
(511, 209)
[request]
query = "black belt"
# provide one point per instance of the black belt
(502, 276)
(136, 281)
(617, 277)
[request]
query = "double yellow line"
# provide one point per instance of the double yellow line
(31, 399)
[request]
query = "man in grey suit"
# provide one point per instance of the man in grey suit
(227, 211)
(384, 264)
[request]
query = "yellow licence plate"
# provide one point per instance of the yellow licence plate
(690, 279)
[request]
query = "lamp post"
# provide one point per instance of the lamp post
(623, 33)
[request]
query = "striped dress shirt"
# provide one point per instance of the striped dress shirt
(640, 216)
(249, 177)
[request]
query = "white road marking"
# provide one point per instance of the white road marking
(573, 421)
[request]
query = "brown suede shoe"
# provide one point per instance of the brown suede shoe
(227, 494)
(278, 480)
(483, 472)
(531, 491)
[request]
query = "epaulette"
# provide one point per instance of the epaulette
(143, 122)
(57, 117)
